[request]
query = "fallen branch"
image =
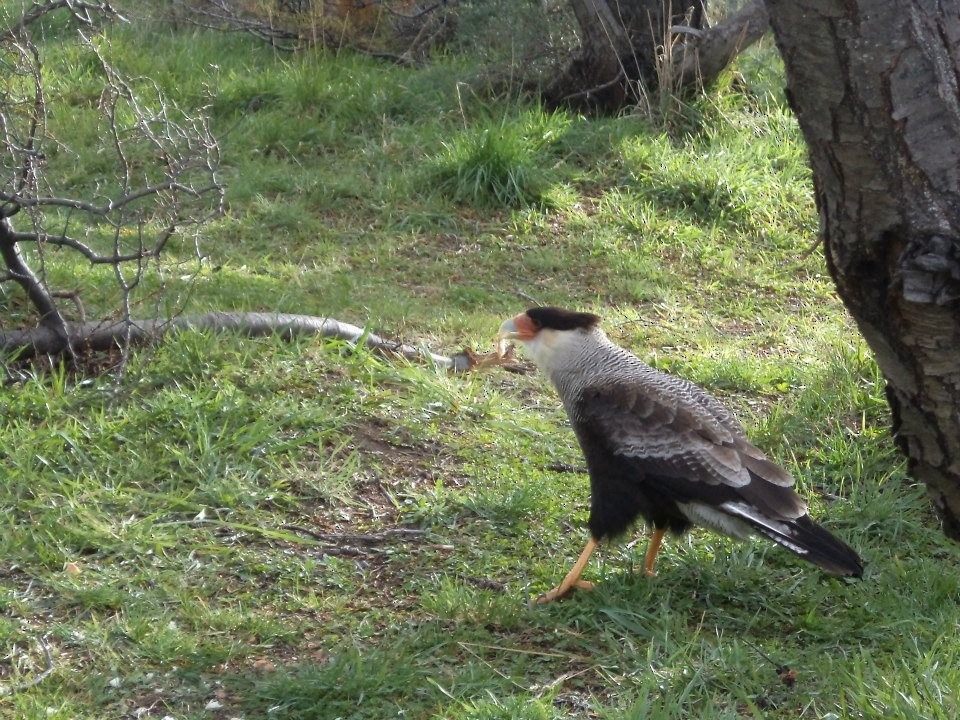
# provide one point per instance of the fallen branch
(357, 538)
(101, 336)
(367, 541)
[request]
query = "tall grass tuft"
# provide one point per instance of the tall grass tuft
(499, 162)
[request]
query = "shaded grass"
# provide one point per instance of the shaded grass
(178, 493)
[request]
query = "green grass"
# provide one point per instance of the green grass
(159, 523)
(500, 163)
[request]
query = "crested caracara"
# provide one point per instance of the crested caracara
(660, 448)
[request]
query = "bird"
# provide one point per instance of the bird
(660, 448)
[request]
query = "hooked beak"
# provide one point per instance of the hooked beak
(516, 328)
(507, 332)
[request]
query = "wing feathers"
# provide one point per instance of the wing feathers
(804, 538)
(638, 421)
(689, 451)
(761, 467)
(661, 447)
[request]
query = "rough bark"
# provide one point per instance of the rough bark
(702, 58)
(20, 272)
(874, 84)
(630, 47)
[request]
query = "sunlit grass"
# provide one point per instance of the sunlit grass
(500, 162)
(159, 522)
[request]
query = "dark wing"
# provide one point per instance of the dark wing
(683, 454)
(673, 433)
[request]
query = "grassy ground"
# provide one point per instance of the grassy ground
(193, 540)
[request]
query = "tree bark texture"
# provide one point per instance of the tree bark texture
(874, 84)
(620, 42)
(703, 58)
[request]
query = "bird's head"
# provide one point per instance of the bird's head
(546, 331)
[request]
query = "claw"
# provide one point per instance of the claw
(559, 592)
(572, 581)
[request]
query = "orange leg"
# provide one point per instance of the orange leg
(572, 580)
(656, 538)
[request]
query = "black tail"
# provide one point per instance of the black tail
(811, 542)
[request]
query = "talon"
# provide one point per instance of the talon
(572, 581)
(561, 593)
(551, 595)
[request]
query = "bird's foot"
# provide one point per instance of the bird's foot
(562, 591)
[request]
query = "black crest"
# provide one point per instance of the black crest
(554, 318)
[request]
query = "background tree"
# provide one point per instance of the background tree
(157, 185)
(601, 55)
(630, 47)
(875, 87)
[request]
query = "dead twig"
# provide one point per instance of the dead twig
(811, 249)
(562, 467)
(525, 296)
(369, 541)
(484, 583)
(594, 90)
(787, 676)
(358, 538)
(33, 682)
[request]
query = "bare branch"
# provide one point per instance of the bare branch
(329, 25)
(160, 182)
(85, 250)
(110, 206)
(73, 295)
(20, 272)
(82, 11)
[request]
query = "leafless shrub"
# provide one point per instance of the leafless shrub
(115, 239)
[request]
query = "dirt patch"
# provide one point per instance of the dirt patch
(364, 525)
(402, 467)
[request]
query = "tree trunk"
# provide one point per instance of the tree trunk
(703, 58)
(874, 84)
(631, 47)
(619, 41)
